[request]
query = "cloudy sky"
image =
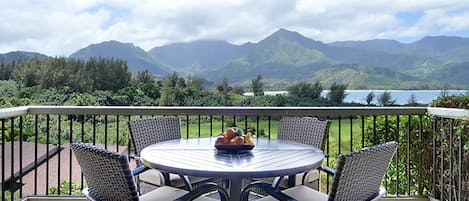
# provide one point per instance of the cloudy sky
(61, 27)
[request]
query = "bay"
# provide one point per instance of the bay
(401, 96)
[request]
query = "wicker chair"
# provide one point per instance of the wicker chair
(109, 177)
(145, 132)
(358, 177)
(306, 130)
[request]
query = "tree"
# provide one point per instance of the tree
(197, 83)
(238, 90)
(258, 86)
(224, 88)
(385, 99)
(444, 91)
(369, 98)
(144, 77)
(305, 90)
(412, 100)
(167, 98)
(337, 93)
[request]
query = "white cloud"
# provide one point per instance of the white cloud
(63, 27)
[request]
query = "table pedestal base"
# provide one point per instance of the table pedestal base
(234, 186)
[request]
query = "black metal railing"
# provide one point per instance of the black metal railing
(31, 134)
(450, 155)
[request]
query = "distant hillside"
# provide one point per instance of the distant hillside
(380, 45)
(285, 57)
(20, 55)
(195, 56)
(452, 73)
(137, 59)
(437, 47)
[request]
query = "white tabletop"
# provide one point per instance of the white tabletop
(198, 157)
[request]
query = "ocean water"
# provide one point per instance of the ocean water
(401, 96)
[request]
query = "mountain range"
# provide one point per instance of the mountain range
(286, 57)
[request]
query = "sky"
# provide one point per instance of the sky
(62, 27)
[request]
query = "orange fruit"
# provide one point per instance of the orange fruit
(229, 133)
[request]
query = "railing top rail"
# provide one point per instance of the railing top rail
(13, 112)
(452, 113)
(280, 111)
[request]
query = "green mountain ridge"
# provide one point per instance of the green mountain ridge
(137, 58)
(20, 55)
(287, 57)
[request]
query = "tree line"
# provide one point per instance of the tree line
(108, 81)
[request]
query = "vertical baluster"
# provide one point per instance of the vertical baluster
(117, 133)
(211, 125)
(36, 130)
(442, 162)
(450, 158)
(420, 176)
(187, 126)
(396, 138)
(460, 147)
(386, 130)
(327, 158)
(198, 125)
(409, 122)
(105, 130)
(47, 152)
(257, 126)
(234, 121)
(12, 160)
(222, 123)
(82, 134)
(21, 155)
(386, 127)
(375, 138)
(269, 125)
(363, 130)
(3, 157)
(94, 129)
(59, 144)
(339, 138)
(129, 144)
(434, 157)
(351, 133)
(82, 127)
(246, 122)
(70, 155)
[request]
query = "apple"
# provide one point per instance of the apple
(220, 140)
(238, 140)
(229, 133)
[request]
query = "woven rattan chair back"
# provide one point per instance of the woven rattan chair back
(306, 130)
(359, 174)
(145, 132)
(107, 173)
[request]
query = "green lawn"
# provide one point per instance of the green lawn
(346, 131)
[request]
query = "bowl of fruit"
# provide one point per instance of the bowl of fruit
(234, 140)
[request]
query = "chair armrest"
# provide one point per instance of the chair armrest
(276, 182)
(139, 170)
(186, 181)
(203, 189)
(328, 170)
(266, 187)
(86, 193)
(131, 156)
(382, 193)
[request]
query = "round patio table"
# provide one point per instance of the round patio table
(198, 157)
